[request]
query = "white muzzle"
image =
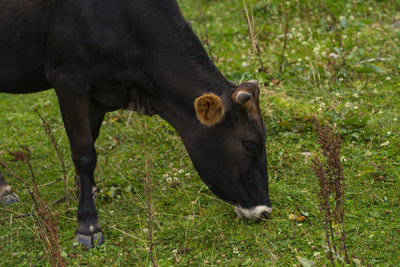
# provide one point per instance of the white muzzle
(255, 213)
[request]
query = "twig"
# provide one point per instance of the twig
(253, 37)
(46, 221)
(49, 133)
(58, 201)
(50, 183)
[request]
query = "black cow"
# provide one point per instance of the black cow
(101, 56)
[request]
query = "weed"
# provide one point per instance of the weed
(331, 183)
(46, 220)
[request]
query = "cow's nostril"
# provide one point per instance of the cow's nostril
(264, 215)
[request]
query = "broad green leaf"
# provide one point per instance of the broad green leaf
(370, 68)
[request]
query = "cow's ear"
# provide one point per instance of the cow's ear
(209, 109)
(246, 95)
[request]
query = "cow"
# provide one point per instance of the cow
(101, 56)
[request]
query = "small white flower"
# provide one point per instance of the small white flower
(351, 17)
(145, 230)
(333, 55)
(355, 95)
(389, 133)
(388, 78)
(235, 250)
(341, 79)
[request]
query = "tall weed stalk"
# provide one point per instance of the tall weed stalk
(46, 220)
(331, 193)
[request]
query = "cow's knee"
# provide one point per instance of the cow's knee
(86, 163)
(7, 196)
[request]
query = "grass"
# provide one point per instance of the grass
(355, 89)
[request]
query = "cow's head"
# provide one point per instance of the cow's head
(228, 149)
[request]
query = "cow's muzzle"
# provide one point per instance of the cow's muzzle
(257, 213)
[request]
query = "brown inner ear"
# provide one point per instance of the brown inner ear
(209, 109)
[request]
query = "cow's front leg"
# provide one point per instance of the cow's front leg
(7, 196)
(76, 112)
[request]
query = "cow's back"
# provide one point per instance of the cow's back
(23, 39)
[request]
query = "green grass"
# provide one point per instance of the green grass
(361, 98)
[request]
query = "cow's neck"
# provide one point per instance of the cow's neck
(180, 82)
(176, 63)
(182, 71)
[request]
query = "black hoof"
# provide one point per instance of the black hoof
(90, 241)
(7, 196)
(89, 234)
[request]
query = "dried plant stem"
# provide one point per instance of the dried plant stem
(331, 182)
(46, 221)
(148, 189)
(253, 37)
(49, 133)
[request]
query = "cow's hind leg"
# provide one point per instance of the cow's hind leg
(96, 119)
(76, 112)
(7, 196)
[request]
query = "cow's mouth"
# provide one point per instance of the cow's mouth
(257, 213)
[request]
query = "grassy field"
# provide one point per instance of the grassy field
(336, 60)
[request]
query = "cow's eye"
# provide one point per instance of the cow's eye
(250, 146)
